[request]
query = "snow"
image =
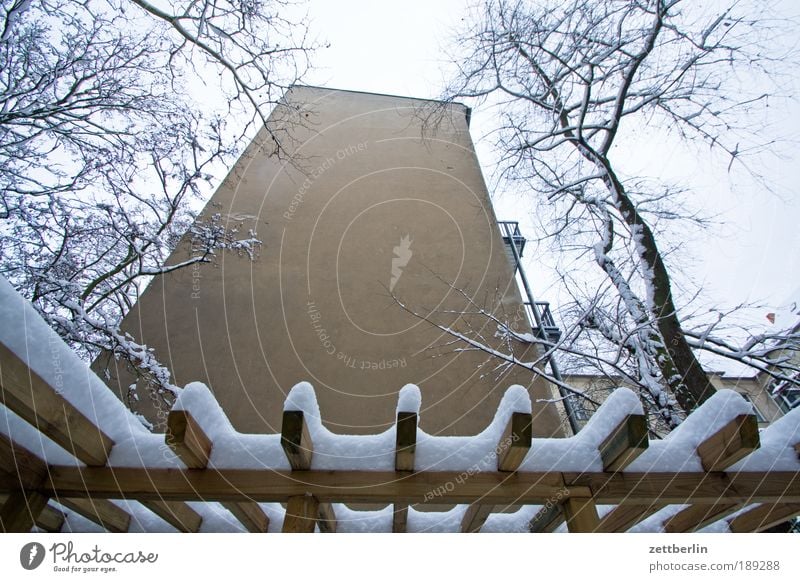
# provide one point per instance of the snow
(677, 451)
(26, 334)
(580, 452)
(409, 399)
(777, 451)
(471, 453)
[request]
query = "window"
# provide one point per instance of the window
(579, 408)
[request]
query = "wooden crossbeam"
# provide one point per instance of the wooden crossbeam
(29, 396)
(626, 442)
(190, 442)
(250, 515)
(296, 440)
(624, 517)
(731, 443)
(20, 464)
(31, 471)
(475, 516)
(495, 488)
(797, 450)
(107, 515)
(302, 513)
(178, 515)
(763, 517)
(50, 520)
(326, 518)
(185, 437)
(680, 488)
(580, 513)
(21, 510)
(696, 517)
(515, 442)
(400, 518)
(547, 519)
(406, 441)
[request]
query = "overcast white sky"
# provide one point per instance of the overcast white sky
(398, 48)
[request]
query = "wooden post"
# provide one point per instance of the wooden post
(400, 518)
(296, 440)
(624, 517)
(185, 437)
(302, 512)
(475, 516)
(581, 515)
(731, 443)
(763, 517)
(21, 510)
(406, 441)
(326, 518)
(249, 514)
(177, 514)
(101, 511)
(698, 516)
(626, 442)
(515, 442)
(28, 395)
(548, 519)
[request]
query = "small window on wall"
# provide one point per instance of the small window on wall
(759, 416)
(579, 408)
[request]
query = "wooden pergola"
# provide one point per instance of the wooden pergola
(28, 482)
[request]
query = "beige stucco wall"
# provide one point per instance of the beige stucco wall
(315, 305)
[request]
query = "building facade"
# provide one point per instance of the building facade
(376, 227)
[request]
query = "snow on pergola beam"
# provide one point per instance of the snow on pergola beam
(65, 437)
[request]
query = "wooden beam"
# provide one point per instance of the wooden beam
(626, 442)
(797, 450)
(515, 442)
(178, 515)
(20, 465)
(296, 440)
(731, 443)
(624, 517)
(21, 510)
(763, 517)
(302, 512)
(185, 437)
(406, 441)
(696, 517)
(475, 517)
(250, 515)
(326, 518)
(107, 515)
(190, 442)
(400, 518)
(50, 520)
(495, 488)
(547, 519)
(581, 515)
(29, 396)
(680, 488)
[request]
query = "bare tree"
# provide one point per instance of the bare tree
(570, 81)
(105, 147)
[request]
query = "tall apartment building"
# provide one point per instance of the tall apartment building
(368, 219)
